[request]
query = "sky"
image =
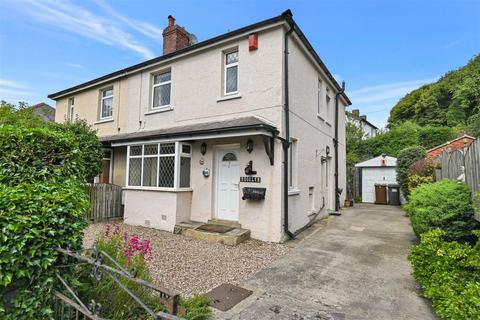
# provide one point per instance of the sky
(382, 49)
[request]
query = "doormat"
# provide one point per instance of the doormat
(227, 296)
(218, 228)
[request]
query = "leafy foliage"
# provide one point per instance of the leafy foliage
(405, 159)
(43, 170)
(415, 180)
(449, 273)
(451, 101)
(132, 253)
(446, 205)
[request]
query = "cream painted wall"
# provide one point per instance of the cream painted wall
(262, 218)
(155, 209)
(196, 90)
(313, 136)
(87, 106)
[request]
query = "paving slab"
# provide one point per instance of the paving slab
(355, 267)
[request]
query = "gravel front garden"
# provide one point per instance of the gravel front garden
(189, 266)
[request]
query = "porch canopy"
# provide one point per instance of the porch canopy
(245, 126)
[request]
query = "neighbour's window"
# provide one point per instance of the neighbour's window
(106, 103)
(162, 165)
(161, 89)
(71, 109)
(231, 72)
(292, 159)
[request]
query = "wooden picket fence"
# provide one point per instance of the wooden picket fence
(106, 202)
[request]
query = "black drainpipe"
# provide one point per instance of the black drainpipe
(286, 142)
(335, 145)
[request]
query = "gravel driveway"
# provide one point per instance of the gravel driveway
(190, 266)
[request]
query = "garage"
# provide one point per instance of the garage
(379, 180)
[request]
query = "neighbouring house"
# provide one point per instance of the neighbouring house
(377, 176)
(459, 143)
(248, 126)
(45, 111)
(369, 129)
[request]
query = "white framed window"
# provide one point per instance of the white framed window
(165, 165)
(106, 103)
(329, 107)
(230, 76)
(161, 89)
(319, 98)
(71, 109)
(292, 164)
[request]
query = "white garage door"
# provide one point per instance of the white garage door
(371, 176)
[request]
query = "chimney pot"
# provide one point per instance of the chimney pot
(175, 37)
(171, 21)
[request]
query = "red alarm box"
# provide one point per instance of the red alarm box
(253, 42)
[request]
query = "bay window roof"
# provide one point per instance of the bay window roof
(191, 131)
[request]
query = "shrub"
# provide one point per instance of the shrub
(132, 253)
(43, 169)
(446, 205)
(405, 159)
(416, 180)
(449, 273)
(35, 219)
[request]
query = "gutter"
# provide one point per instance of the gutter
(335, 145)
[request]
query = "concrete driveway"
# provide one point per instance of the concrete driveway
(355, 267)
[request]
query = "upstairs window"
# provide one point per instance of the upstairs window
(231, 72)
(71, 109)
(162, 83)
(106, 104)
(319, 98)
(329, 108)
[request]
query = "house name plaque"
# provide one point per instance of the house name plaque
(251, 179)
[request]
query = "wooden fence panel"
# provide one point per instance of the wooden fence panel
(456, 161)
(472, 166)
(106, 202)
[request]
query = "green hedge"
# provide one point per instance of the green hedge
(449, 273)
(405, 159)
(447, 205)
(43, 170)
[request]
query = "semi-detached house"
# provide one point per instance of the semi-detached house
(248, 126)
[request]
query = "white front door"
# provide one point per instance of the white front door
(228, 178)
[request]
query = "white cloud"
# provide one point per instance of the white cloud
(74, 65)
(385, 92)
(145, 28)
(75, 19)
(452, 44)
(14, 91)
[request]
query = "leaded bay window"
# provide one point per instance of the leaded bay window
(106, 103)
(231, 72)
(159, 165)
(161, 89)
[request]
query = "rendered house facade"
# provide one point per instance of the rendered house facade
(186, 132)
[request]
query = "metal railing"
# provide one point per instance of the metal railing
(68, 305)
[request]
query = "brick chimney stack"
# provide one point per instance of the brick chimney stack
(174, 37)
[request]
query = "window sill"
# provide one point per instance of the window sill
(328, 123)
(158, 189)
(103, 121)
(293, 192)
(159, 110)
(229, 97)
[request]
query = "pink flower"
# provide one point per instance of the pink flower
(116, 230)
(107, 230)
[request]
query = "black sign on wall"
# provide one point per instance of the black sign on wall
(251, 179)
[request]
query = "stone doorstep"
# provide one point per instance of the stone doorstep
(230, 238)
(228, 223)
